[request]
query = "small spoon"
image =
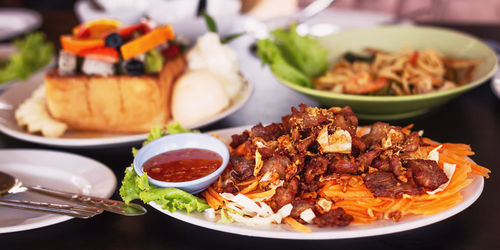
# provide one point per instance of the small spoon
(10, 184)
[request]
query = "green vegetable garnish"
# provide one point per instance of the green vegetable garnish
(153, 61)
(137, 187)
(231, 37)
(294, 58)
(157, 132)
(212, 27)
(175, 128)
(32, 54)
(210, 22)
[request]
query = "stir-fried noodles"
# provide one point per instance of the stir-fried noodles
(405, 72)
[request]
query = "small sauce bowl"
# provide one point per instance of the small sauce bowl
(183, 141)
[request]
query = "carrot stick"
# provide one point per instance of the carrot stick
(265, 194)
(250, 187)
(407, 129)
(212, 202)
(216, 195)
(324, 188)
(247, 182)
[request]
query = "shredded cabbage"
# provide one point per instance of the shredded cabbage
(242, 209)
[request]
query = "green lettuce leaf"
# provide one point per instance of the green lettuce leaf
(291, 74)
(158, 132)
(174, 199)
(294, 58)
(175, 128)
(137, 187)
(270, 53)
(33, 52)
(129, 190)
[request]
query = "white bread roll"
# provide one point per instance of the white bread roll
(198, 95)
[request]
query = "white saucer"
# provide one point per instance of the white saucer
(52, 169)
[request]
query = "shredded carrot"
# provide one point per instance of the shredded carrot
(245, 183)
(212, 202)
(296, 225)
(458, 149)
(326, 186)
(219, 181)
(216, 195)
(265, 194)
(407, 129)
(360, 203)
(429, 141)
(250, 187)
(336, 192)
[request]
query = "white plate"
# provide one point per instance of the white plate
(14, 96)
(15, 21)
(57, 170)
(280, 231)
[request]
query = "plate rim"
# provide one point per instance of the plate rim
(239, 229)
(54, 219)
(25, 12)
(124, 139)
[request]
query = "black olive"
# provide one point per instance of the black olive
(353, 57)
(134, 67)
(113, 40)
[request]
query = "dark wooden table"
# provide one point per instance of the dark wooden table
(474, 118)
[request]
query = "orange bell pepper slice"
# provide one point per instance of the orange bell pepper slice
(147, 42)
(74, 45)
(96, 28)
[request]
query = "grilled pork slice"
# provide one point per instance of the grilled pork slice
(129, 104)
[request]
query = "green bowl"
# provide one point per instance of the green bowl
(393, 38)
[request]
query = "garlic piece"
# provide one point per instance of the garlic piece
(325, 204)
(339, 142)
(307, 215)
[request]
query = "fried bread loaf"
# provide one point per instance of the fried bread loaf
(129, 104)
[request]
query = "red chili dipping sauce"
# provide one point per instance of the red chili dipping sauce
(182, 165)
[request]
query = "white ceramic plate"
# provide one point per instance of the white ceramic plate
(57, 170)
(470, 194)
(14, 96)
(15, 21)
